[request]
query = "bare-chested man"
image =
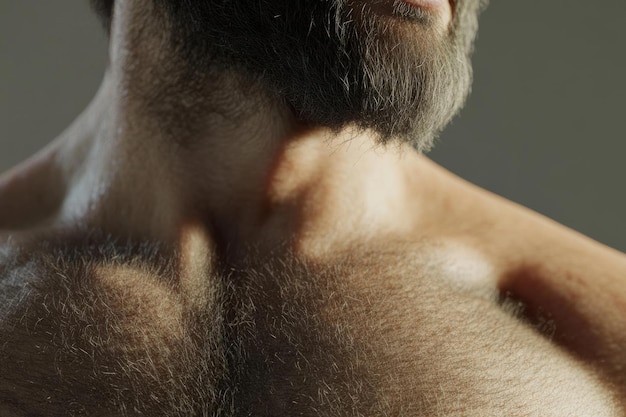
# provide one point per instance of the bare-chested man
(240, 225)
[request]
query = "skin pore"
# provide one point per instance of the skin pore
(196, 244)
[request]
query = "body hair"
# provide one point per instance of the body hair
(269, 336)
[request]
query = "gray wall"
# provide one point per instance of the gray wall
(544, 126)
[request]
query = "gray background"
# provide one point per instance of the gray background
(544, 126)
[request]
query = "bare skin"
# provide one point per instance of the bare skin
(402, 276)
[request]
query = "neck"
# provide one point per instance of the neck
(173, 146)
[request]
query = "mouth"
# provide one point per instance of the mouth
(444, 8)
(430, 4)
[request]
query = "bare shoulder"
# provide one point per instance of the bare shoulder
(542, 264)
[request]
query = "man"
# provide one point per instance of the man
(239, 225)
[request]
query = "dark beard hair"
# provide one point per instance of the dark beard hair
(336, 62)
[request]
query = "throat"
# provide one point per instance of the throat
(320, 193)
(260, 178)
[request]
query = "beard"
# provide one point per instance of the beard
(378, 65)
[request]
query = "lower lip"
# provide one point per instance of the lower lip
(428, 4)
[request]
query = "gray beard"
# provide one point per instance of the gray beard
(392, 74)
(389, 73)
